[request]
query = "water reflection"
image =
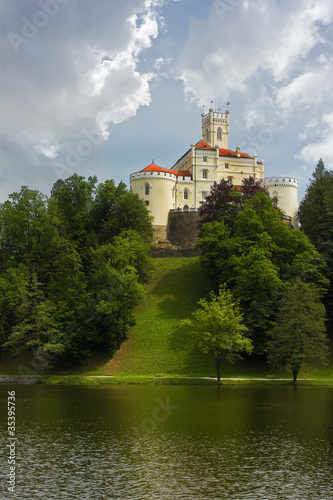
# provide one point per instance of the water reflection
(166, 443)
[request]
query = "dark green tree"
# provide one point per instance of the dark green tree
(299, 334)
(316, 218)
(225, 201)
(37, 331)
(313, 213)
(256, 259)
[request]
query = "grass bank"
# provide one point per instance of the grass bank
(156, 344)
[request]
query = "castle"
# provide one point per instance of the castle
(181, 189)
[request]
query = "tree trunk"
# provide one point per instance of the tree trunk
(295, 373)
(218, 371)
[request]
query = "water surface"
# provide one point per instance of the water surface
(171, 442)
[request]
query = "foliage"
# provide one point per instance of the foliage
(316, 218)
(299, 334)
(256, 258)
(225, 201)
(218, 330)
(71, 267)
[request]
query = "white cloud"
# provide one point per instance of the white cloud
(249, 43)
(71, 84)
(323, 148)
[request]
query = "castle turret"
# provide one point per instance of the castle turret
(283, 190)
(215, 128)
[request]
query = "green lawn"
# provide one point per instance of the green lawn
(157, 344)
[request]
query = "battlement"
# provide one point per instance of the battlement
(281, 181)
(155, 175)
(217, 117)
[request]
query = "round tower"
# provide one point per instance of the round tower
(283, 190)
(156, 187)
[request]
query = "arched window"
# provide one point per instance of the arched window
(147, 189)
(185, 194)
(219, 134)
(207, 134)
(275, 200)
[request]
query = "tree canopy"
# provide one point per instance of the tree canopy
(256, 258)
(225, 201)
(71, 268)
(316, 219)
(299, 334)
(218, 330)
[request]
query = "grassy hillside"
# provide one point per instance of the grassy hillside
(156, 344)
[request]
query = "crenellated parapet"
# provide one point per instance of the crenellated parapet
(281, 181)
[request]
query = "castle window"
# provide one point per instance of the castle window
(185, 194)
(205, 174)
(219, 134)
(226, 165)
(275, 200)
(146, 189)
(207, 134)
(204, 195)
(147, 203)
(229, 181)
(204, 159)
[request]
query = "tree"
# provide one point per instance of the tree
(256, 259)
(38, 330)
(218, 330)
(299, 334)
(225, 201)
(313, 211)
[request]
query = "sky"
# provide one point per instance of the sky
(104, 87)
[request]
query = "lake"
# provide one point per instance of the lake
(170, 442)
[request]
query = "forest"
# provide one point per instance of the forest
(73, 267)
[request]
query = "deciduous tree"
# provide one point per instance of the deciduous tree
(217, 329)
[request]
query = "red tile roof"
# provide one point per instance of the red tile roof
(203, 145)
(155, 168)
(228, 152)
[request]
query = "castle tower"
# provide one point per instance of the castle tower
(215, 128)
(283, 190)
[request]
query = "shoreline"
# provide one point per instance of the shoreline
(155, 380)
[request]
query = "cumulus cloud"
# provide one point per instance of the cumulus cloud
(59, 85)
(242, 44)
(323, 147)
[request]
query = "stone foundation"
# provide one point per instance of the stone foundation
(182, 229)
(160, 234)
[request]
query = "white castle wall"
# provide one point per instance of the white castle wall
(161, 196)
(285, 191)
